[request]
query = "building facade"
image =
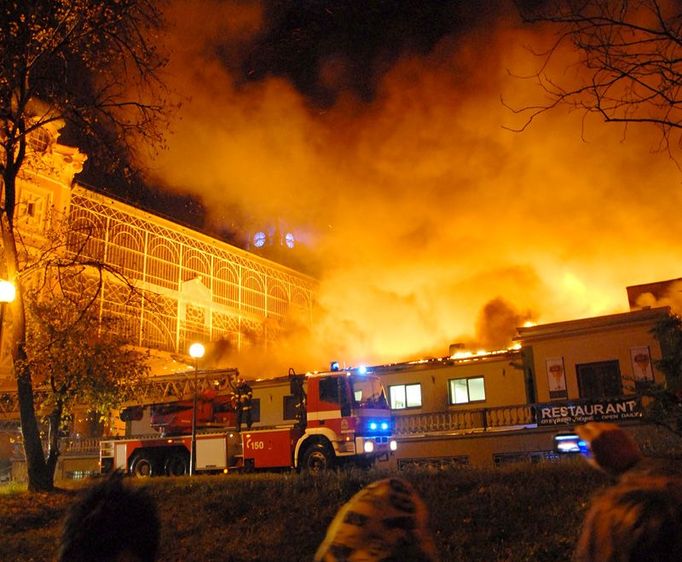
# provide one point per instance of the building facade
(188, 286)
(493, 408)
(192, 287)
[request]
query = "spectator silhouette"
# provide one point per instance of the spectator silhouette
(385, 521)
(640, 518)
(110, 522)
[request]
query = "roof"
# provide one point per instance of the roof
(593, 324)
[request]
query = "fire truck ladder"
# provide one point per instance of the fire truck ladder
(165, 388)
(168, 388)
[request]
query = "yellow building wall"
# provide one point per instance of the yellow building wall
(608, 344)
(503, 382)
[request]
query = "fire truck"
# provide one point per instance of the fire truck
(307, 422)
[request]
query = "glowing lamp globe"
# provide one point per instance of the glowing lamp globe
(196, 351)
(7, 291)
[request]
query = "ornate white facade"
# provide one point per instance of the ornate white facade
(195, 288)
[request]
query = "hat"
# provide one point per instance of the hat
(386, 520)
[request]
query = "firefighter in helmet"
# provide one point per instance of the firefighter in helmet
(243, 403)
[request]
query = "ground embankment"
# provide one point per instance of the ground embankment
(516, 513)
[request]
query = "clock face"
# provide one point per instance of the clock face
(259, 239)
(289, 240)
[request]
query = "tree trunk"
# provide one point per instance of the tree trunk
(53, 438)
(39, 477)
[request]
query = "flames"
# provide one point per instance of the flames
(432, 222)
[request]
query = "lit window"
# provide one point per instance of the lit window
(405, 396)
(259, 239)
(289, 240)
(463, 391)
(39, 140)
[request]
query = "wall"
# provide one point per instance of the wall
(592, 340)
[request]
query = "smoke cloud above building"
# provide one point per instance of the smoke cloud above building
(431, 220)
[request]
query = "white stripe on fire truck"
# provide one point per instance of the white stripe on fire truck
(319, 416)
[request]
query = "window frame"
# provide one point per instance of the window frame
(404, 387)
(451, 397)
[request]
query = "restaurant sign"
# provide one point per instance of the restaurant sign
(583, 411)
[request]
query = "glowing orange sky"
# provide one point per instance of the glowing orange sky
(426, 208)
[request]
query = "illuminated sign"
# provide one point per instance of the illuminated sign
(583, 411)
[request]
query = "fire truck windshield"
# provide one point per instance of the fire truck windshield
(368, 392)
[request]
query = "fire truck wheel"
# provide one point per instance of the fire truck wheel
(141, 466)
(177, 465)
(317, 458)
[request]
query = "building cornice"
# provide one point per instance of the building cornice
(585, 326)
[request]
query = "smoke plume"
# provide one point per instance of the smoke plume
(432, 221)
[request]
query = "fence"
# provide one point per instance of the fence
(483, 419)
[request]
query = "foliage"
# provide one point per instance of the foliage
(665, 406)
(79, 358)
(524, 512)
(629, 67)
(91, 64)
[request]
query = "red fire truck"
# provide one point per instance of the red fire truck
(311, 422)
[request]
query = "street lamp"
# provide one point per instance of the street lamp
(196, 352)
(8, 292)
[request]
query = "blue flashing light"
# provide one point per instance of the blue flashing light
(377, 427)
(334, 366)
(362, 370)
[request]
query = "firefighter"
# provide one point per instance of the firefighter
(243, 403)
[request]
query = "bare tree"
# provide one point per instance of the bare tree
(93, 64)
(629, 67)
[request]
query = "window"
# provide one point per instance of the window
(463, 391)
(368, 392)
(32, 211)
(599, 380)
(291, 406)
(39, 140)
(259, 239)
(255, 410)
(329, 390)
(405, 396)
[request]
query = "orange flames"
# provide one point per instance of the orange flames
(434, 224)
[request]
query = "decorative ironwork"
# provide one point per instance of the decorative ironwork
(193, 286)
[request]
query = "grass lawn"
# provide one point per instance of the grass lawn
(516, 513)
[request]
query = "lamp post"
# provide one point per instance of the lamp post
(196, 352)
(8, 292)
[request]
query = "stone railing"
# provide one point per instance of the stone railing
(552, 414)
(483, 419)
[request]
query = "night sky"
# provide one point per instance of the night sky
(376, 131)
(327, 48)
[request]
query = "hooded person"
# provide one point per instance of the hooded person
(385, 521)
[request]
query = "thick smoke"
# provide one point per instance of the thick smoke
(426, 213)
